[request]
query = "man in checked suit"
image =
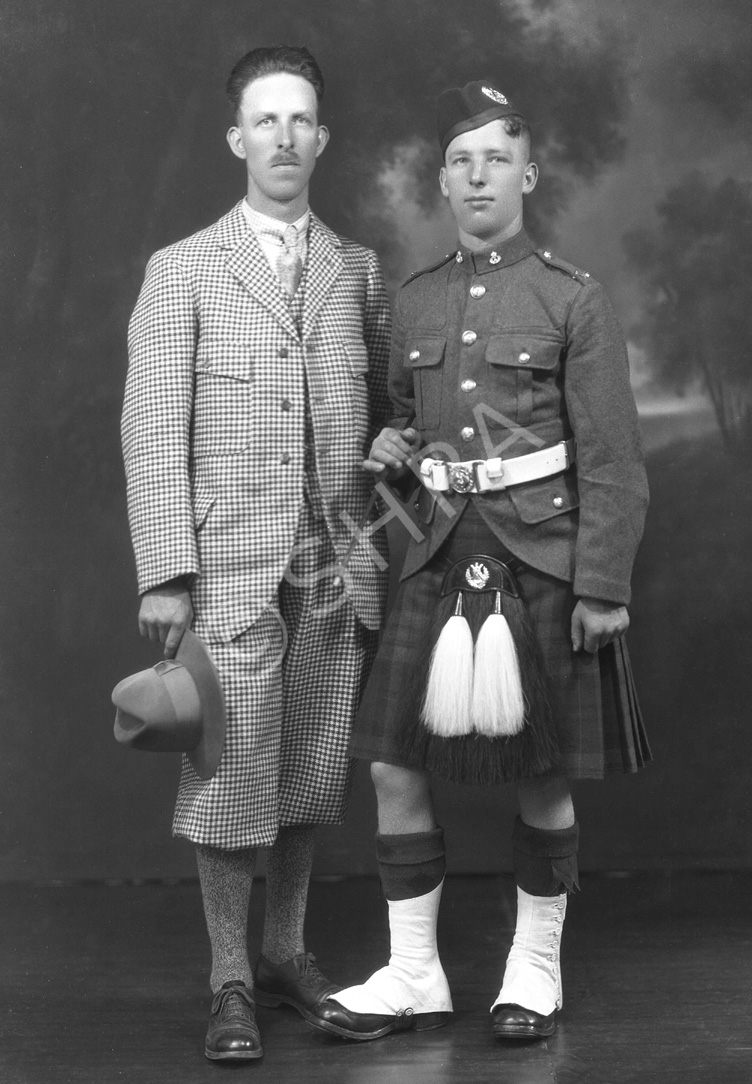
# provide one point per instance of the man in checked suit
(258, 353)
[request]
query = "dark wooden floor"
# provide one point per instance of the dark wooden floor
(104, 983)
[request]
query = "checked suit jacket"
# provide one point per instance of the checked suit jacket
(213, 422)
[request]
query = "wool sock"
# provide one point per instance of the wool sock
(288, 873)
(411, 865)
(226, 879)
(545, 859)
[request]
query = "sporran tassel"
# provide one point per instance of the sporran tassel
(447, 707)
(498, 704)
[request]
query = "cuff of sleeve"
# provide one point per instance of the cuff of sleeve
(607, 590)
(151, 583)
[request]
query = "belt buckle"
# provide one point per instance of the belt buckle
(461, 478)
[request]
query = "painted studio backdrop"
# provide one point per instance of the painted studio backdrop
(113, 144)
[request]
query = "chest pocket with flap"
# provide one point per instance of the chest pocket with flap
(223, 398)
(425, 356)
(519, 359)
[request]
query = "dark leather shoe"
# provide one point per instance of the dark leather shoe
(233, 1032)
(335, 1019)
(297, 982)
(514, 1022)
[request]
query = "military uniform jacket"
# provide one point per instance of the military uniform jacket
(214, 417)
(501, 353)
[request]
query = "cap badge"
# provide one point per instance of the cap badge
(494, 95)
(477, 575)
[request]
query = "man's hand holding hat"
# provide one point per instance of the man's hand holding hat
(166, 612)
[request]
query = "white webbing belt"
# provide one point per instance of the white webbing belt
(484, 475)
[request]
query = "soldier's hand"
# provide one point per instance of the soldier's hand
(391, 450)
(165, 613)
(596, 623)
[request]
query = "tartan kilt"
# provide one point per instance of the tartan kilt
(594, 708)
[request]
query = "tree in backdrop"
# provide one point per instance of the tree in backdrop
(696, 267)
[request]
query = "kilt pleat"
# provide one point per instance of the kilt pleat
(594, 707)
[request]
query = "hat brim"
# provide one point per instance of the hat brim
(194, 655)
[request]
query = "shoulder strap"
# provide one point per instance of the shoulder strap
(433, 267)
(561, 265)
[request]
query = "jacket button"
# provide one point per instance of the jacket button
(414, 355)
(524, 358)
(467, 433)
(469, 337)
(285, 458)
(477, 291)
(286, 404)
(283, 352)
(468, 385)
(558, 502)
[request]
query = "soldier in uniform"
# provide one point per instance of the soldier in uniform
(504, 656)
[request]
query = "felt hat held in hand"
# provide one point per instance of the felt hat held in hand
(176, 706)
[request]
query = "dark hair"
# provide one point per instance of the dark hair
(518, 128)
(269, 60)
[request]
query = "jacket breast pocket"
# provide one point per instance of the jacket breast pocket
(521, 363)
(525, 351)
(426, 356)
(536, 502)
(223, 398)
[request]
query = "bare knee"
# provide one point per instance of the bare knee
(404, 799)
(546, 802)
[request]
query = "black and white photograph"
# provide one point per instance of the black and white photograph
(376, 480)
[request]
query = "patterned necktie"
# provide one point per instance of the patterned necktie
(289, 263)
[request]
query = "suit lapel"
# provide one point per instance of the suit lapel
(247, 262)
(324, 265)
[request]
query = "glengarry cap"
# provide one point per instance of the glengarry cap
(460, 109)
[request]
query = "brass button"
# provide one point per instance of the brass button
(286, 404)
(467, 433)
(468, 385)
(414, 355)
(285, 458)
(477, 291)
(469, 337)
(524, 358)
(558, 502)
